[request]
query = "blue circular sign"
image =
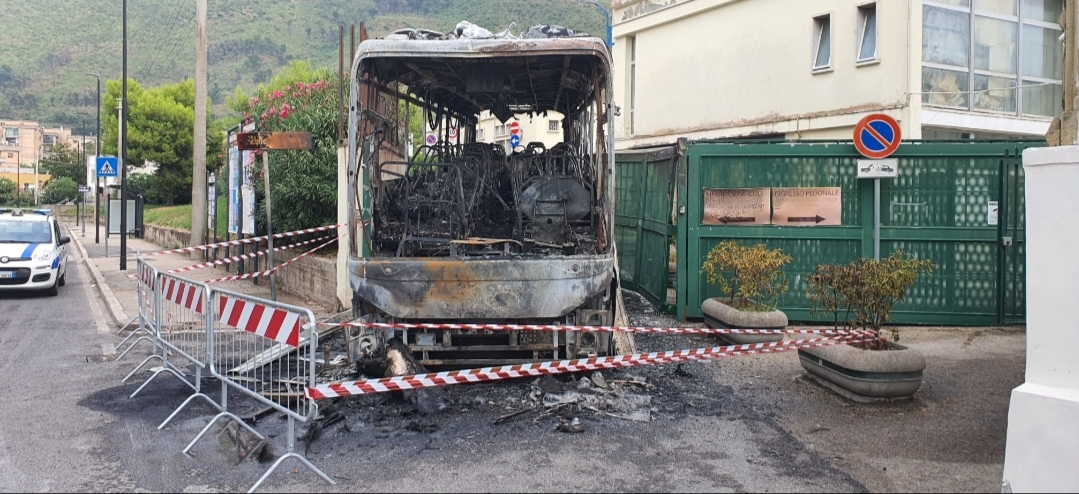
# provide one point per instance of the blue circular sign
(877, 136)
(515, 140)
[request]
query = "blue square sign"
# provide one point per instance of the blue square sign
(107, 166)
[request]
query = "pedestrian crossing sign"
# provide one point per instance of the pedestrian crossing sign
(107, 166)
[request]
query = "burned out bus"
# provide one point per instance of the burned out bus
(460, 231)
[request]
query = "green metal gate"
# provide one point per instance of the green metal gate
(643, 219)
(938, 208)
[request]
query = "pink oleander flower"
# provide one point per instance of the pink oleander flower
(285, 110)
(277, 94)
(252, 102)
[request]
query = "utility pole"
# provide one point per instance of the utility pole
(97, 153)
(123, 155)
(198, 167)
(1064, 131)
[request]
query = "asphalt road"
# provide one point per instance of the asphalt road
(67, 424)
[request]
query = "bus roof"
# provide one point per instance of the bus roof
(505, 76)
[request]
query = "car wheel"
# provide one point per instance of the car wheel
(53, 290)
(63, 279)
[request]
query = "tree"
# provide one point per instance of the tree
(8, 188)
(303, 183)
(160, 123)
(65, 162)
(60, 190)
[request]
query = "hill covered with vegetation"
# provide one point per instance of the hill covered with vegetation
(49, 45)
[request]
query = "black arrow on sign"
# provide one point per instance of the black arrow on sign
(805, 219)
(737, 219)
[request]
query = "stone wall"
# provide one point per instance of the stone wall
(313, 277)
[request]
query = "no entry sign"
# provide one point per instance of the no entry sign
(877, 136)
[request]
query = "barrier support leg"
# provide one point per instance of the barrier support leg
(198, 394)
(291, 454)
(132, 321)
(133, 344)
(224, 414)
(157, 371)
(139, 367)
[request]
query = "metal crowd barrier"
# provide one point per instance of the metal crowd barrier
(147, 327)
(262, 349)
(266, 351)
(183, 329)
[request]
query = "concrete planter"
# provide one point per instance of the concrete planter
(720, 315)
(865, 375)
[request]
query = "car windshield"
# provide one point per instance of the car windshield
(17, 231)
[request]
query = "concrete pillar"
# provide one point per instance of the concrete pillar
(1042, 452)
(344, 291)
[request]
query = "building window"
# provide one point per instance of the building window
(10, 155)
(480, 134)
(505, 143)
(822, 52)
(1000, 56)
(502, 130)
(552, 126)
(632, 82)
(867, 32)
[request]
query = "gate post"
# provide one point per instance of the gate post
(1043, 436)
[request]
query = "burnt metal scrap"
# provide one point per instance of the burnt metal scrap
(469, 200)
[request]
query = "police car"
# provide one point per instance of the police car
(33, 254)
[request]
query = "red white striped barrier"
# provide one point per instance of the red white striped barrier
(386, 384)
(279, 325)
(598, 329)
(245, 240)
(184, 294)
(241, 257)
(273, 269)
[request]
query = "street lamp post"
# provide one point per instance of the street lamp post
(97, 151)
(607, 16)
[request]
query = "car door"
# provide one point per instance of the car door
(61, 249)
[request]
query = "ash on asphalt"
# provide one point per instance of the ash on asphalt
(642, 402)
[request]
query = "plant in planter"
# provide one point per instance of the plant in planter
(751, 280)
(860, 295)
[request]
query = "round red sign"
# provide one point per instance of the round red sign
(877, 136)
(515, 128)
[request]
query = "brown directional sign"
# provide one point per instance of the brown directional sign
(737, 207)
(246, 141)
(807, 206)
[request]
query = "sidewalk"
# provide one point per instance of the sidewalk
(120, 292)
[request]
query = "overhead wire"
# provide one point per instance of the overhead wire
(160, 46)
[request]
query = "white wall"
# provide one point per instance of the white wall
(534, 128)
(1042, 452)
(717, 68)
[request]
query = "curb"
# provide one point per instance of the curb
(116, 311)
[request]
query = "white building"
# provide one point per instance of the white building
(799, 69)
(533, 128)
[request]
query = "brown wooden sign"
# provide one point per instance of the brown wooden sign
(246, 141)
(737, 206)
(807, 206)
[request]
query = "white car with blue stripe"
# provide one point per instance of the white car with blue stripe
(33, 253)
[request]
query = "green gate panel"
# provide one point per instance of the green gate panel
(644, 186)
(937, 209)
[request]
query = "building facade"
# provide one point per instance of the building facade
(22, 144)
(795, 69)
(546, 129)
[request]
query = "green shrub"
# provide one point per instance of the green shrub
(60, 190)
(750, 273)
(864, 291)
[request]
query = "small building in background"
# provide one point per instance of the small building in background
(546, 129)
(795, 69)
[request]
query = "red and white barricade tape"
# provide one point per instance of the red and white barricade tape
(273, 269)
(183, 294)
(598, 329)
(245, 240)
(386, 384)
(276, 324)
(241, 257)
